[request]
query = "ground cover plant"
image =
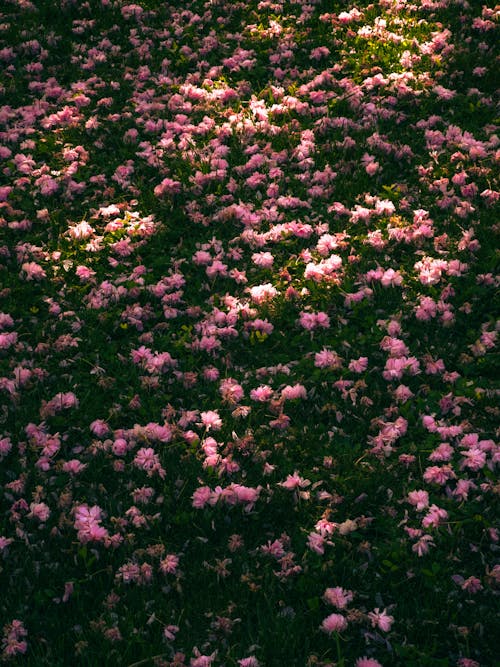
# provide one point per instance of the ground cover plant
(248, 333)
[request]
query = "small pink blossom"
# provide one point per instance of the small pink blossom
(262, 394)
(358, 365)
(39, 511)
(381, 619)
(295, 481)
(338, 597)
(334, 623)
(33, 271)
(211, 420)
(367, 662)
(419, 499)
(293, 392)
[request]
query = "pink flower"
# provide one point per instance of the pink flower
(334, 623)
(211, 420)
(316, 543)
(338, 597)
(39, 511)
(261, 293)
(391, 278)
(5, 447)
(4, 542)
(263, 259)
(33, 271)
(81, 231)
(13, 642)
(367, 662)
(169, 564)
(327, 359)
(170, 631)
(262, 394)
(119, 447)
(246, 495)
(99, 428)
(381, 619)
(472, 585)
(74, 467)
(435, 516)
(201, 497)
(402, 393)
(147, 460)
(167, 187)
(438, 474)
(251, 661)
(359, 365)
(231, 391)
(419, 499)
(474, 459)
(422, 546)
(87, 522)
(294, 481)
(293, 392)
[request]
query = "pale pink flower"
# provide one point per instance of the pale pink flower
(170, 631)
(201, 497)
(7, 340)
(359, 365)
(327, 359)
(39, 511)
(87, 522)
(295, 481)
(367, 662)
(147, 460)
(251, 661)
(4, 542)
(211, 420)
(422, 546)
(263, 259)
(262, 394)
(247, 495)
(261, 293)
(74, 467)
(438, 474)
(443, 452)
(33, 271)
(81, 231)
(293, 392)
(316, 543)
(402, 393)
(84, 273)
(231, 391)
(119, 447)
(169, 564)
(5, 447)
(275, 549)
(461, 491)
(99, 428)
(381, 619)
(338, 597)
(419, 499)
(435, 516)
(334, 623)
(472, 585)
(167, 187)
(391, 278)
(473, 458)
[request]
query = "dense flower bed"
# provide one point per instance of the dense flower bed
(247, 333)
